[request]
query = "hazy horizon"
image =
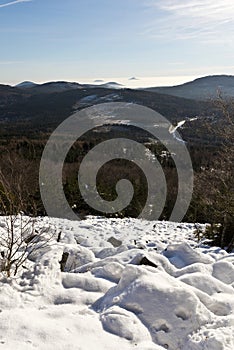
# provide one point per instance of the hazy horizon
(131, 82)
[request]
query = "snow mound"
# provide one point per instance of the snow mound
(165, 306)
(182, 255)
(122, 323)
(224, 271)
(77, 256)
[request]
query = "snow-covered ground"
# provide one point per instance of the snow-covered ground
(128, 284)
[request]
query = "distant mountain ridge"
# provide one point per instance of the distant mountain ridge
(61, 86)
(48, 87)
(203, 88)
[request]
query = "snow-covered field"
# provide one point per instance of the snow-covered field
(128, 284)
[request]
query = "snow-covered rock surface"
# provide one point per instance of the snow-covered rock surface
(127, 284)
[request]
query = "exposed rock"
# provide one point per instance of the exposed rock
(146, 261)
(63, 261)
(115, 242)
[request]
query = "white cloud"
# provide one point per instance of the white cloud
(182, 19)
(14, 2)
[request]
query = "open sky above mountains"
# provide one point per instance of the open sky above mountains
(171, 40)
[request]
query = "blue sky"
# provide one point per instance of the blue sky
(79, 40)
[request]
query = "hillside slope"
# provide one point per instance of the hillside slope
(204, 88)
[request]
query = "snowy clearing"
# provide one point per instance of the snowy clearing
(127, 284)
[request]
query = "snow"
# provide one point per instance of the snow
(94, 99)
(127, 284)
(172, 128)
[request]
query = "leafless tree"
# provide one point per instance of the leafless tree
(19, 237)
(215, 183)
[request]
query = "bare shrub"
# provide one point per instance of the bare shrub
(19, 238)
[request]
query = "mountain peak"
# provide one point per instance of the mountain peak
(26, 84)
